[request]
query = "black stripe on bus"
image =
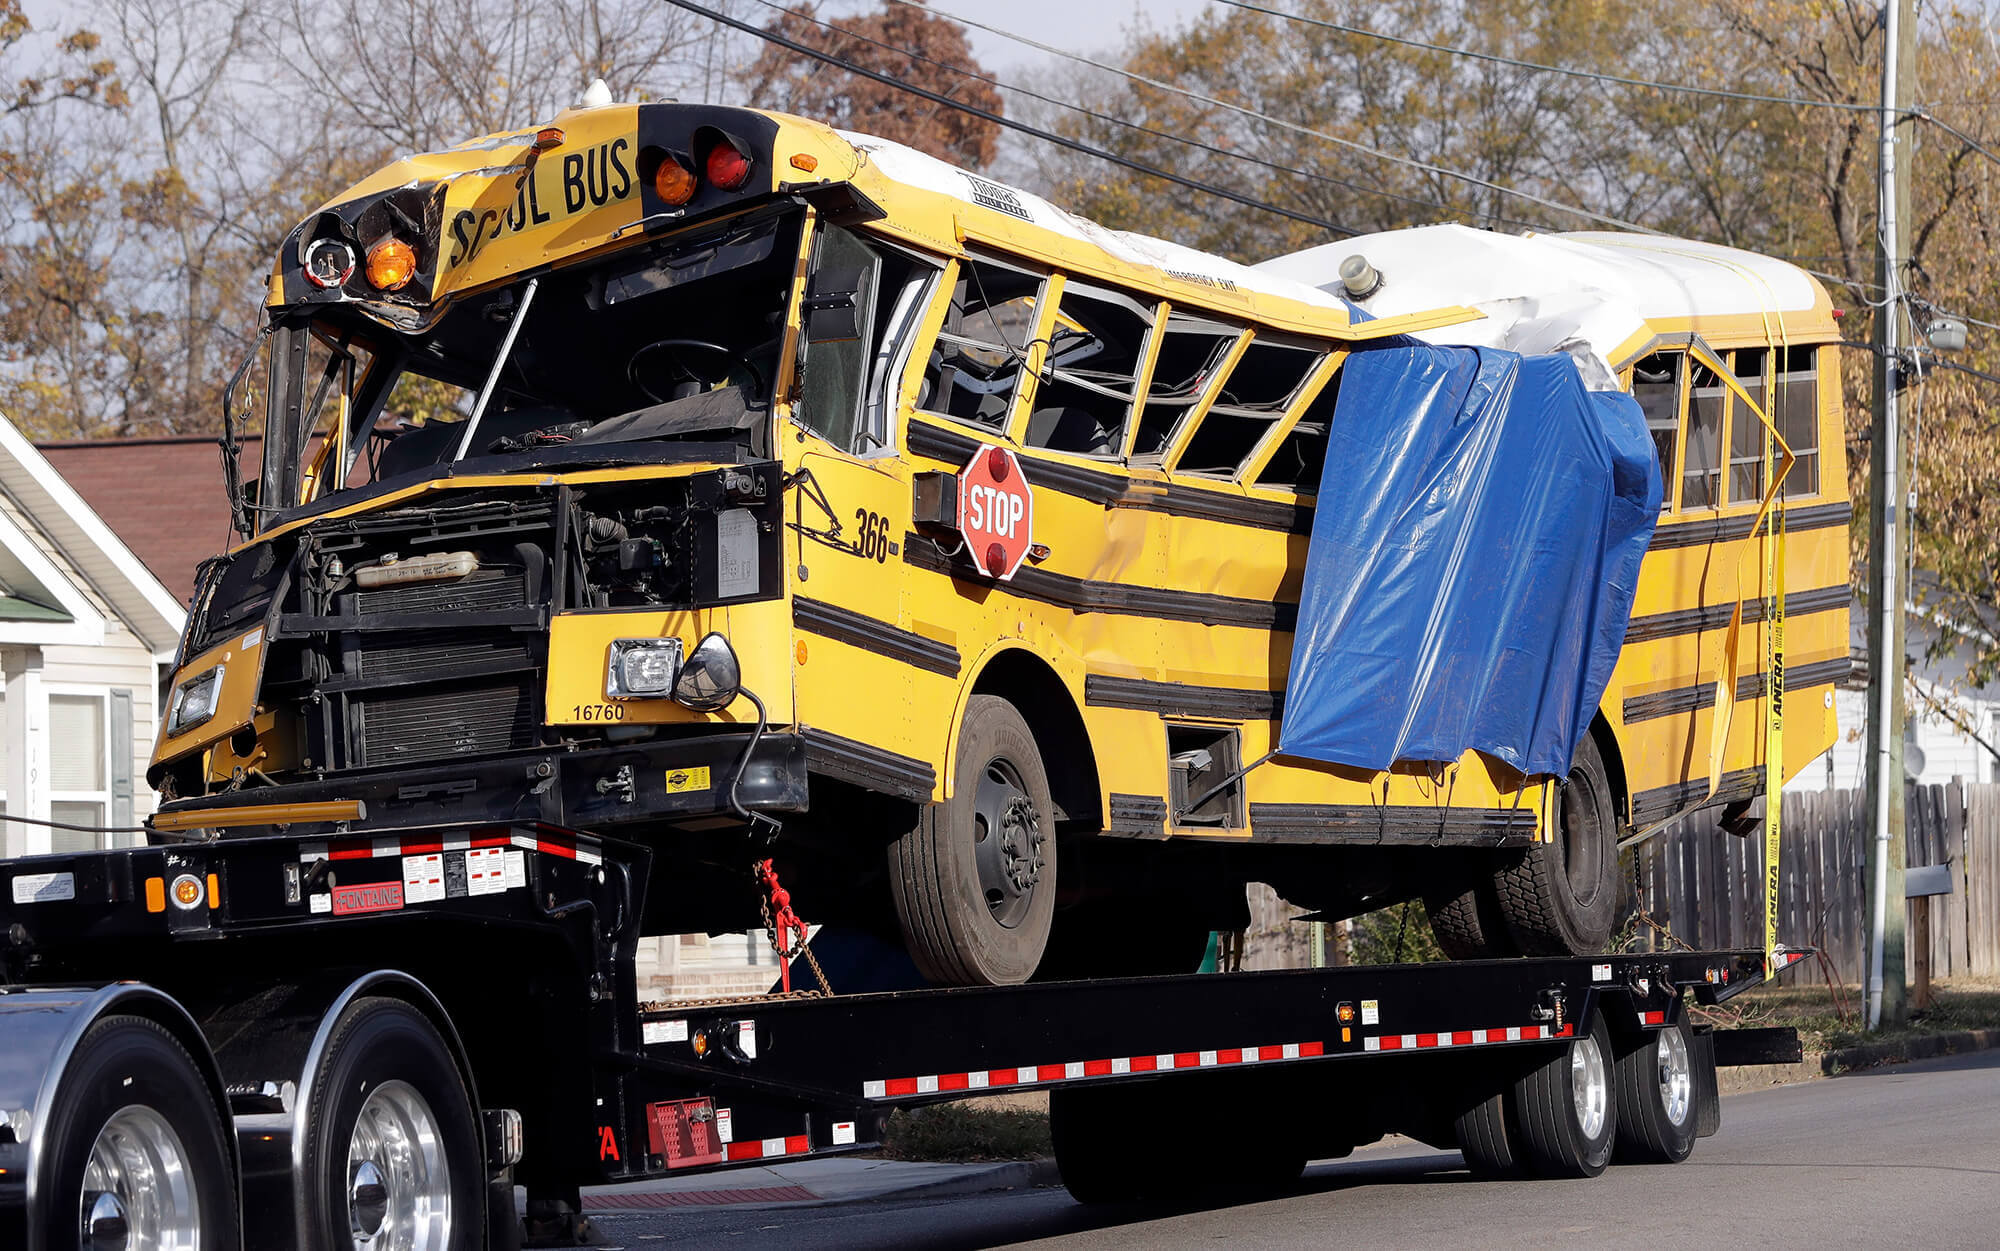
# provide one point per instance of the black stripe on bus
(870, 768)
(1181, 699)
(1661, 625)
(1730, 529)
(1665, 801)
(1392, 825)
(1108, 487)
(868, 634)
(1084, 595)
(1138, 816)
(1682, 699)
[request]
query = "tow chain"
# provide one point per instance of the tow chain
(787, 933)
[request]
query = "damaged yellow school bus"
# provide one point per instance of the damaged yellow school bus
(612, 476)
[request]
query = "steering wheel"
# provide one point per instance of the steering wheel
(680, 369)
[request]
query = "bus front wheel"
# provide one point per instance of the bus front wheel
(975, 880)
(1560, 897)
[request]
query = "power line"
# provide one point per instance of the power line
(1109, 119)
(1682, 88)
(1953, 131)
(1049, 136)
(1338, 140)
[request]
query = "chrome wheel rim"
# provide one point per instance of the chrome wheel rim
(1588, 1088)
(1676, 1075)
(398, 1181)
(138, 1191)
(1007, 842)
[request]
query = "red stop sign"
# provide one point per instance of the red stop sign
(996, 511)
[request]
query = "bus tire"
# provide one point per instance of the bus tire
(135, 1143)
(1657, 1096)
(1565, 1108)
(1486, 1138)
(1560, 897)
(390, 1139)
(975, 881)
(1467, 922)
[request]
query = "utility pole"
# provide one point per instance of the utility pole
(1888, 531)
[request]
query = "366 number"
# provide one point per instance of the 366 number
(873, 542)
(597, 712)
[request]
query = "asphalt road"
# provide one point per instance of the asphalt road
(1901, 1155)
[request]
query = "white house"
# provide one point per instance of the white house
(87, 635)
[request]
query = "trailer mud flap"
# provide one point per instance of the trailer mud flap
(684, 1132)
(1708, 1095)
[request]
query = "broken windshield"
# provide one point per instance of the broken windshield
(681, 338)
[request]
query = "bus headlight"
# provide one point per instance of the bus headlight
(194, 702)
(710, 678)
(640, 667)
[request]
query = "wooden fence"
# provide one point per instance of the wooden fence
(1706, 886)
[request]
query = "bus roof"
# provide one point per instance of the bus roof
(1609, 291)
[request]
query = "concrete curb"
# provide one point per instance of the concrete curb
(1904, 1050)
(1014, 1175)
(1018, 1175)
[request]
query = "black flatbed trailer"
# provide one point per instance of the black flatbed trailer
(369, 1041)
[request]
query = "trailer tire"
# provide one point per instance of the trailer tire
(1565, 1108)
(388, 1098)
(1113, 1144)
(134, 1118)
(1658, 1096)
(1486, 1138)
(975, 881)
(1560, 897)
(1467, 922)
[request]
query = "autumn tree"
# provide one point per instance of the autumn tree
(900, 41)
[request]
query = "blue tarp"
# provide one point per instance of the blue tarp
(1475, 548)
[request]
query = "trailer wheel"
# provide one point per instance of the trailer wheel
(975, 880)
(1487, 1140)
(1657, 1095)
(1565, 1108)
(392, 1154)
(136, 1149)
(1560, 898)
(1114, 1145)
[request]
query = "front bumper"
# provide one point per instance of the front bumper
(660, 780)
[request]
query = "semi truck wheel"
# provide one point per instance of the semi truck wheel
(136, 1154)
(1565, 1108)
(1560, 897)
(1486, 1138)
(975, 881)
(1114, 1144)
(1655, 1082)
(392, 1155)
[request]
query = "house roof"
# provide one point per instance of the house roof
(163, 497)
(92, 547)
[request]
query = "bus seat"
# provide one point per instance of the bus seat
(1071, 429)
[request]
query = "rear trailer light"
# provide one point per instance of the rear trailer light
(642, 667)
(674, 182)
(391, 265)
(728, 168)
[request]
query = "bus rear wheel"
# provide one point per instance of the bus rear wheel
(975, 881)
(1560, 897)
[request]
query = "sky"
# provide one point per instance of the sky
(1086, 26)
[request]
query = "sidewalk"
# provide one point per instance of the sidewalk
(814, 1182)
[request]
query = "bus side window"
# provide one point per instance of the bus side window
(1095, 354)
(1798, 417)
(1257, 392)
(1302, 453)
(1190, 353)
(1701, 473)
(1656, 384)
(837, 355)
(975, 368)
(1746, 430)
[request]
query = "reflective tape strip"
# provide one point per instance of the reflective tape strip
(1464, 1038)
(1652, 1018)
(768, 1148)
(567, 846)
(1072, 1070)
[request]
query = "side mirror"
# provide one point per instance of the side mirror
(830, 306)
(710, 677)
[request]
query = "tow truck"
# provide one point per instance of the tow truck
(369, 1041)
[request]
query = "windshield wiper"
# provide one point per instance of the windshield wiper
(499, 362)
